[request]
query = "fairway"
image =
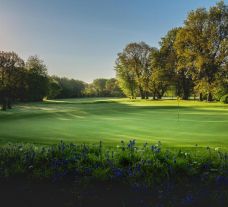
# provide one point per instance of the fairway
(112, 120)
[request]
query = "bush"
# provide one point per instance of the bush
(224, 99)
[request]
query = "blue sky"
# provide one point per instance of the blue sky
(81, 38)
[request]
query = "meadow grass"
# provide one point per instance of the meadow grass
(112, 120)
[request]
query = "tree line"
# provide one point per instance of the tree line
(192, 60)
(20, 80)
(29, 81)
(71, 88)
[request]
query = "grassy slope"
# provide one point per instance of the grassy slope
(111, 120)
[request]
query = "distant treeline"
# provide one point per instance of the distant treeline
(191, 60)
(71, 88)
(29, 81)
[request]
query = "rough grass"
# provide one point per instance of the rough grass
(113, 120)
(93, 175)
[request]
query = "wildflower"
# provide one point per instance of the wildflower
(187, 200)
(117, 172)
(220, 179)
(158, 150)
(206, 166)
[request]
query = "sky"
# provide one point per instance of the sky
(80, 39)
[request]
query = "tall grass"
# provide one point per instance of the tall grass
(126, 162)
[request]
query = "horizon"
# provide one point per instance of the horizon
(81, 39)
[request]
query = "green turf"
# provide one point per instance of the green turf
(112, 120)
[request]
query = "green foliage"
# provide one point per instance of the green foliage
(66, 88)
(202, 47)
(10, 77)
(37, 79)
(54, 89)
(224, 99)
(103, 88)
(19, 81)
(133, 69)
(130, 163)
(192, 58)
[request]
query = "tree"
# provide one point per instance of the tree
(160, 74)
(100, 86)
(54, 88)
(10, 65)
(68, 88)
(113, 89)
(126, 78)
(202, 46)
(133, 69)
(37, 79)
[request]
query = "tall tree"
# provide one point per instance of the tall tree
(126, 78)
(10, 65)
(160, 77)
(133, 65)
(202, 46)
(37, 79)
(178, 76)
(100, 86)
(112, 88)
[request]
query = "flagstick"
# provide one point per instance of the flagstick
(178, 101)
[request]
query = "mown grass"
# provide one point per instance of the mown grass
(112, 120)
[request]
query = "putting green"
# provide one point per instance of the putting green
(112, 120)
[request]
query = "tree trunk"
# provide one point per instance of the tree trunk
(209, 97)
(146, 95)
(185, 96)
(9, 104)
(141, 93)
(4, 104)
(154, 97)
(201, 97)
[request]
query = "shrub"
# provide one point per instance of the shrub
(224, 99)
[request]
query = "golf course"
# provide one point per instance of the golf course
(90, 120)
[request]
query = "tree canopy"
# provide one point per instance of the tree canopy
(193, 59)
